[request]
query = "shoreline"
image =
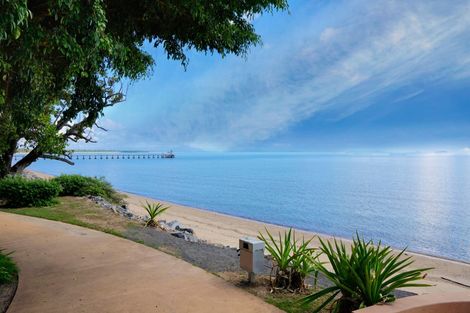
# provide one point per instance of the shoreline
(297, 229)
(224, 229)
(271, 224)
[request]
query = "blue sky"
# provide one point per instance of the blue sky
(331, 76)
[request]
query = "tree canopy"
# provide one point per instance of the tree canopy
(62, 62)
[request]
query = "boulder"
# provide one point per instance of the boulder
(185, 236)
(178, 235)
(185, 230)
(174, 225)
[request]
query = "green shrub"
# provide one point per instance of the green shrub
(365, 276)
(18, 191)
(293, 260)
(8, 269)
(79, 186)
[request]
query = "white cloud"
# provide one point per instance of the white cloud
(328, 34)
(375, 50)
(109, 124)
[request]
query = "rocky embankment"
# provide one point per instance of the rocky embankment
(174, 228)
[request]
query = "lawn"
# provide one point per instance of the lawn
(81, 212)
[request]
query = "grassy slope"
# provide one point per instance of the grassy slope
(78, 211)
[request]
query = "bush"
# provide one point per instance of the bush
(80, 186)
(293, 260)
(365, 276)
(18, 191)
(8, 269)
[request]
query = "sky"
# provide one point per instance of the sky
(330, 76)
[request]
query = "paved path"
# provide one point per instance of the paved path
(65, 268)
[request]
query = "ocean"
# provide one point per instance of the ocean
(419, 202)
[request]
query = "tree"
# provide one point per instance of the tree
(62, 62)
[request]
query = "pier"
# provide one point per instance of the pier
(114, 156)
(122, 156)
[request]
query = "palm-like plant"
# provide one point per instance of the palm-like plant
(154, 210)
(305, 262)
(293, 261)
(366, 276)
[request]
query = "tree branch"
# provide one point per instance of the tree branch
(58, 158)
(100, 127)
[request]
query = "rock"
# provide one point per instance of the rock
(174, 225)
(175, 228)
(185, 230)
(178, 235)
(185, 236)
(163, 225)
(117, 209)
(97, 199)
(190, 238)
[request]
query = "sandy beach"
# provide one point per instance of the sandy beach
(216, 228)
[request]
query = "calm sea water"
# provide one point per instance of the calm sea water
(420, 202)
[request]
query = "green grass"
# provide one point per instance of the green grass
(112, 232)
(78, 212)
(291, 303)
(50, 213)
(8, 269)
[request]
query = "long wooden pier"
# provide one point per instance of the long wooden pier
(114, 156)
(119, 156)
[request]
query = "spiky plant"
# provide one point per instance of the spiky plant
(153, 211)
(305, 263)
(292, 261)
(365, 276)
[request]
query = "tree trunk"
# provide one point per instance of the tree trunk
(6, 152)
(26, 161)
(5, 165)
(6, 159)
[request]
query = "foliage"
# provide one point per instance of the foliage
(305, 262)
(365, 276)
(79, 186)
(154, 210)
(62, 62)
(18, 191)
(8, 269)
(293, 260)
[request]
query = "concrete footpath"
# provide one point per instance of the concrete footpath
(66, 268)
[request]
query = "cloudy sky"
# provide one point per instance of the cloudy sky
(331, 76)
